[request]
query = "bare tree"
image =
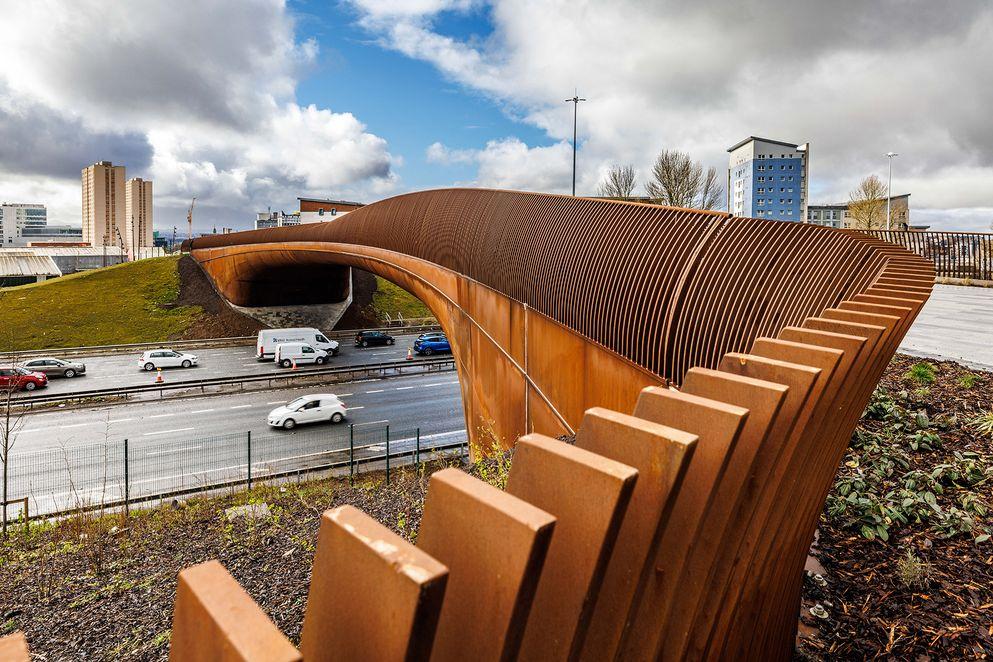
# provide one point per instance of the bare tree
(618, 183)
(679, 181)
(867, 204)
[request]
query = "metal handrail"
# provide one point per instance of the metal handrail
(366, 368)
(191, 344)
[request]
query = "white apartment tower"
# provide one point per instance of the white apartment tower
(137, 215)
(768, 179)
(18, 222)
(103, 204)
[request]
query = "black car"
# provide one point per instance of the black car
(368, 338)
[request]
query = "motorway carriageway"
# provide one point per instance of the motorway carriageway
(72, 457)
(121, 369)
(432, 402)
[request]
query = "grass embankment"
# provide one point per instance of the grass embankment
(390, 299)
(126, 303)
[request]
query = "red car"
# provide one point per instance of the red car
(19, 378)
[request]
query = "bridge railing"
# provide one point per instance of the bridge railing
(954, 254)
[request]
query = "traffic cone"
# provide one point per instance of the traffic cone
(410, 354)
(158, 377)
(294, 364)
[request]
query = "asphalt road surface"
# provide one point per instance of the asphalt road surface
(70, 458)
(121, 370)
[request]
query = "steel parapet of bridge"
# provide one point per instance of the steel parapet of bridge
(712, 368)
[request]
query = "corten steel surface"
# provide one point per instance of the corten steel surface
(776, 334)
(494, 545)
(14, 648)
(373, 595)
(556, 304)
(706, 559)
(215, 620)
(545, 472)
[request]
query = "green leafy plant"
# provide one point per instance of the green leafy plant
(921, 372)
(984, 423)
(963, 469)
(968, 380)
(912, 571)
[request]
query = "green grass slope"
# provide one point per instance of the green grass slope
(126, 303)
(390, 299)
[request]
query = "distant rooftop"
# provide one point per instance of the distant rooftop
(846, 203)
(332, 202)
(26, 262)
(765, 140)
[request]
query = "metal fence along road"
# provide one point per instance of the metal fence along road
(318, 375)
(89, 476)
(955, 254)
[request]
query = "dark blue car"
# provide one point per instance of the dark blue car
(432, 343)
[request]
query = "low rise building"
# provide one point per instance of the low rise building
(275, 219)
(838, 214)
(320, 210)
(20, 266)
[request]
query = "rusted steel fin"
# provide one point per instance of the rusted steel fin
(494, 546)
(373, 595)
(661, 455)
(215, 619)
(14, 648)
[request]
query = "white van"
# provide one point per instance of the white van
(265, 346)
(299, 353)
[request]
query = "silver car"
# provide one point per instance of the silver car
(56, 367)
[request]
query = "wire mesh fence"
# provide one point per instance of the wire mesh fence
(82, 477)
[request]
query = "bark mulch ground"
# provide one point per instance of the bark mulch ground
(922, 594)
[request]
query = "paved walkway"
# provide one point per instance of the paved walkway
(956, 324)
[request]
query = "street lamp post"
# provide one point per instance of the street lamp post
(575, 109)
(889, 188)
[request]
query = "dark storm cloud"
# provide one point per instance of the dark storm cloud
(38, 141)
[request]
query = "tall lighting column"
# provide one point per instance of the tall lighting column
(889, 188)
(575, 109)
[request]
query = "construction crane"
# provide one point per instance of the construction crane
(189, 216)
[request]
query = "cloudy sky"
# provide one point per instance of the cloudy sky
(248, 104)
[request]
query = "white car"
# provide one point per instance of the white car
(166, 358)
(318, 408)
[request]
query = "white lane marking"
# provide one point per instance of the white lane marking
(173, 450)
(369, 422)
(454, 382)
(120, 420)
(403, 388)
(435, 384)
(354, 408)
(239, 406)
(35, 430)
(276, 402)
(380, 390)
(344, 395)
(76, 425)
(149, 434)
(201, 411)
(160, 415)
